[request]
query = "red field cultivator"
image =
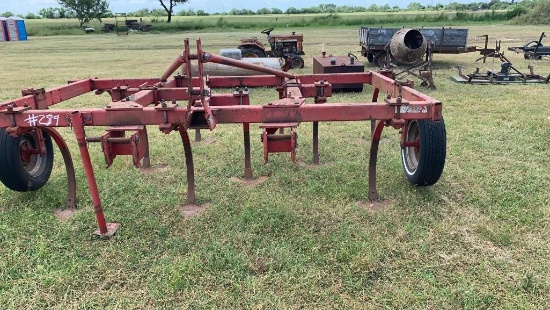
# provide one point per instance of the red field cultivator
(183, 102)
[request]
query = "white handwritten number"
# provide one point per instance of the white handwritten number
(44, 120)
(31, 120)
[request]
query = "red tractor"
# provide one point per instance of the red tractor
(287, 47)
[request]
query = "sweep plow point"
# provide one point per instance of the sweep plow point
(111, 230)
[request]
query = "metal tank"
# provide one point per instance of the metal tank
(214, 69)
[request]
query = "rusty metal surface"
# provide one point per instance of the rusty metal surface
(76, 119)
(183, 103)
(69, 166)
(408, 46)
(189, 165)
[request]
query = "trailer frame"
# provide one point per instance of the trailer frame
(375, 51)
(532, 49)
(183, 102)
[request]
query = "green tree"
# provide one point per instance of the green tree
(386, 8)
(158, 12)
(140, 13)
(32, 16)
(415, 6)
(291, 10)
(539, 15)
(61, 13)
(189, 12)
(6, 14)
(168, 6)
(455, 6)
(263, 11)
(47, 13)
(86, 10)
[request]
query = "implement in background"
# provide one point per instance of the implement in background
(121, 24)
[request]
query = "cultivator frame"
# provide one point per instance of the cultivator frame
(183, 102)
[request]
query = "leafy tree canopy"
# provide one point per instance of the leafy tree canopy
(86, 10)
(168, 6)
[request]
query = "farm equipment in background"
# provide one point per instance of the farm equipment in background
(108, 27)
(533, 49)
(287, 47)
(134, 24)
(373, 42)
(408, 53)
(507, 74)
(120, 23)
(410, 50)
(183, 102)
(123, 25)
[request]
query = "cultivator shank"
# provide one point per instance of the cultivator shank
(184, 102)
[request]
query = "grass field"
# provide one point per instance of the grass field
(479, 238)
(229, 23)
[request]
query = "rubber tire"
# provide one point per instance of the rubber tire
(528, 55)
(529, 49)
(297, 63)
(12, 172)
(370, 57)
(248, 52)
(425, 165)
(379, 59)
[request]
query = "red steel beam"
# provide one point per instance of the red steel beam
(52, 96)
(172, 68)
(129, 82)
(76, 88)
(230, 114)
(378, 80)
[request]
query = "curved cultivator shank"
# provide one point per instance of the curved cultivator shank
(184, 102)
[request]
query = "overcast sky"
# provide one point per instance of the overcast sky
(211, 6)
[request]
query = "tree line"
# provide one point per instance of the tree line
(85, 11)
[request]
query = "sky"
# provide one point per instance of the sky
(210, 6)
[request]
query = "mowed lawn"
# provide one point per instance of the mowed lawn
(479, 238)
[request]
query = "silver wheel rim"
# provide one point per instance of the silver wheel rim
(411, 154)
(35, 165)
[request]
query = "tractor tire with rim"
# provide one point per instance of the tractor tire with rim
(297, 63)
(248, 52)
(370, 57)
(20, 174)
(531, 55)
(379, 59)
(529, 50)
(423, 164)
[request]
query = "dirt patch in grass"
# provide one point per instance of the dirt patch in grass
(188, 211)
(156, 168)
(63, 214)
(375, 206)
(251, 182)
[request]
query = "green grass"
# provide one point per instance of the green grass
(225, 23)
(476, 239)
